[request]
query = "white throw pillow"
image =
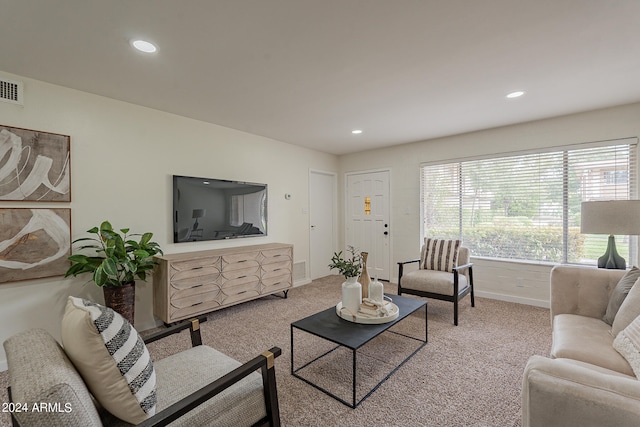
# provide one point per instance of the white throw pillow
(627, 343)
(112, 359)
(438, 254)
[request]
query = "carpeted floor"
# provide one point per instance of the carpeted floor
(469, 375)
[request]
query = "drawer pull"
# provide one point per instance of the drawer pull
(277, 269)
(277, 255)
(240, 293)
(243, 260)
(197, 268)
(197, 286)
(277, 283)
(198, 303)
(241, 277)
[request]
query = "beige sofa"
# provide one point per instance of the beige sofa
(586, 382)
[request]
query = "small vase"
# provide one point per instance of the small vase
(364, 278)
(351, 295)
(376, 291)
(121, 299)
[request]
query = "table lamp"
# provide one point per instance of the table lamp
(611, 217)
(197, 213)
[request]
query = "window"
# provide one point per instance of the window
(526, 206)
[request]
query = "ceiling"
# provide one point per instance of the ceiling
(308, 72)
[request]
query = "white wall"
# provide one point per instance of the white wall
(528, 283)
(122, 159)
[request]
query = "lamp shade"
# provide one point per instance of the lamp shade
(620, 217)
(198, 213)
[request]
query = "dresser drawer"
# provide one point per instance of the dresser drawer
(276, 267)
(276, 255)
(194, 290)
(194, 310)
(275, 283)
(186, 280)
(194, 300)
(241, 272)
(197, 263)
(240, 293)
(241, 281)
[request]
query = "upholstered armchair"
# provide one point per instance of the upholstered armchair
(196, 387)
(444, 273)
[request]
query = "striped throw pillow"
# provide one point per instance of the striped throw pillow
(440, 255)
(627, 343)
(111, 358)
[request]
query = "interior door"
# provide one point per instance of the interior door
(322, 222)
(367, 226)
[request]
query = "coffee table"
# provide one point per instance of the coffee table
(331, 327)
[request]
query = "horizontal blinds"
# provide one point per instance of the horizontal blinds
(525, 206)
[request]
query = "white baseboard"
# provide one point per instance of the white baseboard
(301, 282)
(512, 298)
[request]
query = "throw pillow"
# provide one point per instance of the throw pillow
(620, 293)
(439, 254)
(627, 343)
(111, 358)
(629, 310)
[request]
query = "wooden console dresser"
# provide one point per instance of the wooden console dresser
(193, 283)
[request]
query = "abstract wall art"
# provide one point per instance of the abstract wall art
(34, 243)
(34, 166)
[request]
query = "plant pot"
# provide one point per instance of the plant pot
(121, 299)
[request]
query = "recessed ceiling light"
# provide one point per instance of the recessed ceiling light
(356, 131)
(516, 94)
(144, 46)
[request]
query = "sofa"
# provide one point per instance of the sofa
(586, 381)
(196, 387)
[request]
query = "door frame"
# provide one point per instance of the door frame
(345, 213)
(334, 218)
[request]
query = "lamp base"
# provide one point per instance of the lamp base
(611, 259)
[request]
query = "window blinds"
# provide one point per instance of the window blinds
(527, 205)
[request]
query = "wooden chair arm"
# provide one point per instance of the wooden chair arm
(193, 325)
(463, 267)
(408, 262)
(263, 362)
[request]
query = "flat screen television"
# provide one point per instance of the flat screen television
(216, 209)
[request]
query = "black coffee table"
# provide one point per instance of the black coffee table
(329, 326)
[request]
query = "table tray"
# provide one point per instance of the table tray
(393, 315)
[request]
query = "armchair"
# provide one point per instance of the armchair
(196, 387)
(442, 285)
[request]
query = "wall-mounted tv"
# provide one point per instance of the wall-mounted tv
(216, 209)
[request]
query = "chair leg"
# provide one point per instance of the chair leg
(455, 312)
(473, 302)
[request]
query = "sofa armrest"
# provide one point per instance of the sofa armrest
(582, 290)
(264, 362)
(557, 392)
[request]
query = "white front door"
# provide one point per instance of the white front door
(367, 226)
(322, 222)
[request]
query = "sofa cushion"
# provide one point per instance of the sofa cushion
(620, 293)
(40, 371)
(627, 343)
(111, 357)
(586, 339)
(629, 310)
(440, 255)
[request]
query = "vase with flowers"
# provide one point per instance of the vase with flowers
(350, 268)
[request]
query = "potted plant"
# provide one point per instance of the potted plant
(115, 262)
(350, 269)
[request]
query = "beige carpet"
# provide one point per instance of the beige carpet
(469, 375)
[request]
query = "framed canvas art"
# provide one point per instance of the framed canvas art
(34, 243)
(34, 166)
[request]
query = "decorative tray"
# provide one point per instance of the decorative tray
(368, 319)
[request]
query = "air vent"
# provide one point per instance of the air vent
(299, 271)
(11, 91)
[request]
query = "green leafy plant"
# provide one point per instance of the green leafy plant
(114, 259)
(347, 267)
